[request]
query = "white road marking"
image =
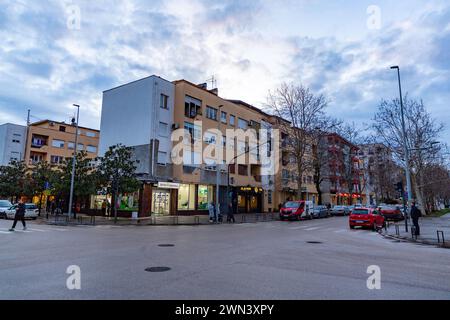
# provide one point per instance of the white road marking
(311, 229)
(5, 232)
(38, 230)
(340, 231)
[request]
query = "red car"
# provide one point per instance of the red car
(391, 213)
(366, 218)
(295, 210)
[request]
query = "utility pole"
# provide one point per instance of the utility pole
(74, 160)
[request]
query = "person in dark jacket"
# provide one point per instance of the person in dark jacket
(20, 215)
(415, 215)
(230, 217)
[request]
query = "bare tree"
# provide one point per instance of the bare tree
(305, 116)
(421, 131)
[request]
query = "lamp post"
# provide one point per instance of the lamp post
(218, 167)
(72, 180)
(405, 146)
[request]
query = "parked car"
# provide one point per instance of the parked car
(31, 211)
(340, 211)
(4, 205)
(320, 212)
(393, 213)
(296, 210)
(366, 218)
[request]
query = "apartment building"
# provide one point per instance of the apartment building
(287, 176)
(245, 183)
(381, 173)
(140, 115)
(54, 141)
(12, 143)
(343, 183)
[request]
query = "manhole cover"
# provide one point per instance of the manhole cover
(314, 242)
(166, 245)
(157, 269)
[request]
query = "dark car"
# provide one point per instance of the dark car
(320, 212)
(340, 211)
(391, 213)
(366, 218)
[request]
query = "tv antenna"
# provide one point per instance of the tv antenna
(213, 82)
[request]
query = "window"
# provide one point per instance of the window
(211, 113)
(16, 141)
(80, 147)
(210, 138)
(62, 129)
(192, 159)
(242, 124)
(164, 101)
(205, 196)
(186, 197)
(224, 141)
(162, 158)
(18, 135)
(163, 129)
(71, 145)
(91, 149)
(232, 168)
(269, 197)
(192, 107)
(56, 159)
(58, 143)
(91, 134)
(35, 158)
(223, 117)
(243, 170)
(194, 131)
(232, 120)
(15, 156)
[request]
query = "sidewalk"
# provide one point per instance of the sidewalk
(428, 231)
(154, 220)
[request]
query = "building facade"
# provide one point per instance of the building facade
(12, 143)
(343, 183)
(140, 115)
(54, 142)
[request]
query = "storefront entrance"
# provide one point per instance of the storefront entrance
(161, 202)
(249, 200)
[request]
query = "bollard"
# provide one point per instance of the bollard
(413, 233)
(397, 230)
(438, 232)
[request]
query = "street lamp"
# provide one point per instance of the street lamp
(218, 167)
(72, 180)
(405, 146)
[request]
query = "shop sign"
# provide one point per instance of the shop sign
(168, 185)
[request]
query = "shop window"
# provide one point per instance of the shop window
(186, 197)
(232, 168)
(205, 196)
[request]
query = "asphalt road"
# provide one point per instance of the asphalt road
(248, 261)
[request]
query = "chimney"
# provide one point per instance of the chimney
(203, 85)
(215, 91)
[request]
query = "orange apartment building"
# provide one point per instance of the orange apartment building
(53, 142)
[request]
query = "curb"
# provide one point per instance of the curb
(423, 242)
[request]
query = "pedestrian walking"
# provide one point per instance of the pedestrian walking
(415, 215)
(104, 206)
(230, 216)
(211, 211)
(20, 215)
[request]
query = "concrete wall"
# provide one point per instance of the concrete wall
(8, 148)
(131, 114)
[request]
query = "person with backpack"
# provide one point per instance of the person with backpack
(20, 215)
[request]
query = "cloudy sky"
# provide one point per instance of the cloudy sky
(56, 53)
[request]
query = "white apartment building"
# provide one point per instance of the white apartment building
(12, 143)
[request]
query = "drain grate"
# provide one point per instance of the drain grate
(166, 245)
(157, 269)
(314, 242)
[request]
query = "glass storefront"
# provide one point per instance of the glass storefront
(161, 202)
(205, 196)
(129, 202)
(186, 197)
